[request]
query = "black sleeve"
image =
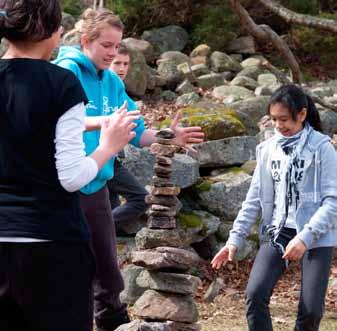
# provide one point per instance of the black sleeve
(71, 93)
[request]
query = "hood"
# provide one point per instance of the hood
(73, 53)
(316, 139)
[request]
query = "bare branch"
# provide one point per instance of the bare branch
(265, 33)
(294, 18)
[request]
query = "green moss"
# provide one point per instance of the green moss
(216, 124)
(204, 186)
(190, 220)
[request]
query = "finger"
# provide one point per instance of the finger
(194, 140)
(124, 105)
(231, 254)
(193, 129)
(176, 119)
(190, 150)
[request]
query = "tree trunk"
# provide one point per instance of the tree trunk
(265, 33)
(294, 18)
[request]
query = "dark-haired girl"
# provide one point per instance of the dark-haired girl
(294, 189)
(46, 266)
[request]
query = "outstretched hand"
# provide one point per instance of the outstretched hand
(226, 254)
(186, 136)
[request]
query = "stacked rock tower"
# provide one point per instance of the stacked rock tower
(162, 199)
(167, 303)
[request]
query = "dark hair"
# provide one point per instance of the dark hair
(123, 49)
(29, 20)
(295, 99)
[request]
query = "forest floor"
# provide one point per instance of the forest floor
(227, 312)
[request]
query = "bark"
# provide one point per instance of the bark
(305, 20)
(265, 34)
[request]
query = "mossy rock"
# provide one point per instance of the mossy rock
(216, 124)
(190, 220)
(204, 186)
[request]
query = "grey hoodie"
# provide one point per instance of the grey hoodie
(316, 216)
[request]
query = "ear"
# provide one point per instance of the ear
(302, 115)
(84, 40)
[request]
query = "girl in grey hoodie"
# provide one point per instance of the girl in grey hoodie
(296, 195)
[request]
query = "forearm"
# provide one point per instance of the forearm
(148, 137)
(92, 122)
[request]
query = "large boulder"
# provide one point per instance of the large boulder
(226, 193)
(175, 56)
(222, 62)
(252, 71)
(250, 111)
(142, 46)
(169, 38)
(190, 98)
(329, 121)
(216, 124)
(136, 79)
(171, 74)
(226, 152)
(131, 291)
(235, 93)
(185, 170)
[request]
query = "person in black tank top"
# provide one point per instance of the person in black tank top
(46, 265)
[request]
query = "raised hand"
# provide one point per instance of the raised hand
(226, 253)
(185, 136)
(116, 129)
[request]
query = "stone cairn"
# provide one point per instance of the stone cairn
(167, 302)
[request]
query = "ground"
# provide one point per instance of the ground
(227, 311)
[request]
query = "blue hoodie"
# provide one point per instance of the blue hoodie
(106, 92)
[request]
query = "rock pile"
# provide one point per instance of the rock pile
(167, 302)
(162, 199)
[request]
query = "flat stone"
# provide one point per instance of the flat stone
(162, 160)
(140, 325)
(164, 150)
(168, 282)
(162, 213)
(160, 208)
(161, 222)
(165, 258)
(164, 141)
(164, 200)
(165, 134)
(170, 191)
(162, 170)
(150, 238)
(162, 181)
(154, 305)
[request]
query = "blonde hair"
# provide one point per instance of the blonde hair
(92, 22)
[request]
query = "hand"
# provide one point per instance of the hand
(225, 254)
(116, 129)
(186, 136)
(294, 250)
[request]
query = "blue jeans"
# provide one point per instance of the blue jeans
(125, 184)
(267, 270)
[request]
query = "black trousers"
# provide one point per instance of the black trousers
(46, 286)
(267, 270)
(108, 282)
